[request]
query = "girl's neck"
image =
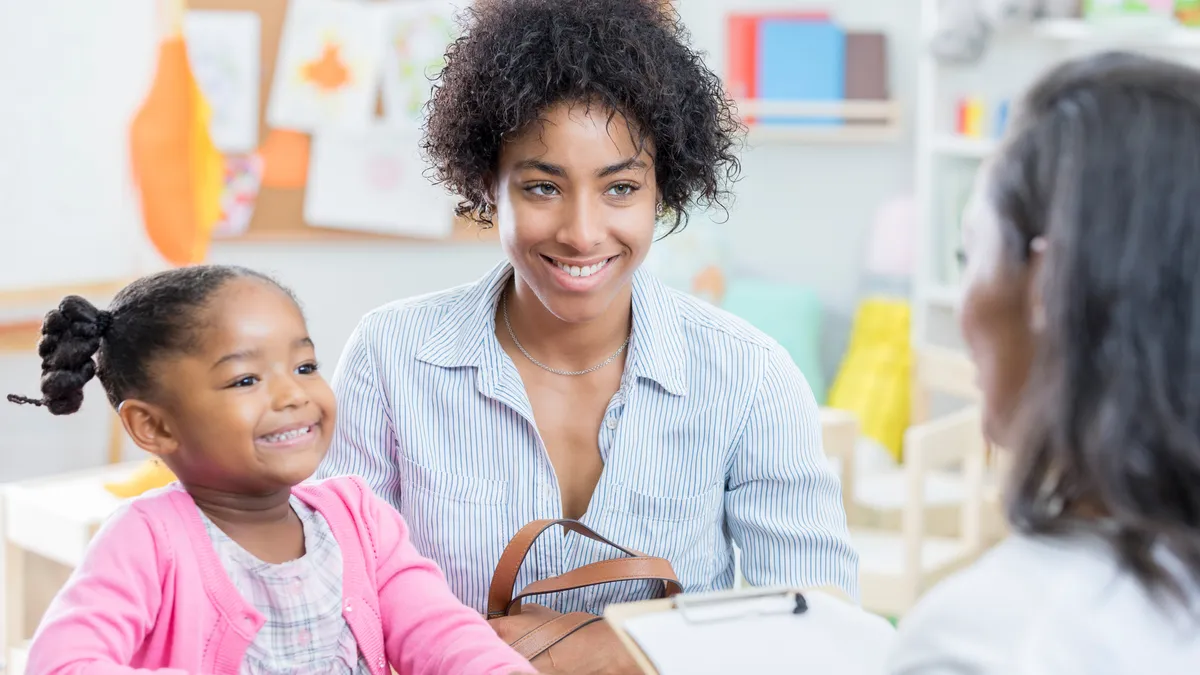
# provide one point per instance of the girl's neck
(569, 346)
(242, 510)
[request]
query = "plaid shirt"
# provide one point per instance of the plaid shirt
(304, 633)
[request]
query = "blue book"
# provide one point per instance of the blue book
(801, 60)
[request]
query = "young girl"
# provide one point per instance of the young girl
(238, 568)
(1081, 309)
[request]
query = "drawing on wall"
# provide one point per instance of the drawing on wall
(372, 180)
(417, 38)
(243, 178)
(327, 70)
(225, 54)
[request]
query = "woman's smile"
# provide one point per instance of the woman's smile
(580, 276)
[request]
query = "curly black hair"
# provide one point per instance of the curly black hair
(155, 315)
(517, 58)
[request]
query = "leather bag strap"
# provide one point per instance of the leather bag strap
(500, 593)
(640, 568)
(546, 635)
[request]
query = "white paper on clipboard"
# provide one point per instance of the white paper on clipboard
(759, 633)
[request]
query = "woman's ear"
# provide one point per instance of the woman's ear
(149, 427)
(1037, 307)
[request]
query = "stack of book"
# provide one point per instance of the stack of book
(803, 57)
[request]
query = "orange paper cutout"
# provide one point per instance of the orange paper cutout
(328, 73)
(285, 159)
(176, 166)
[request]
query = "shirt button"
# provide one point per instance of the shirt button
(612, 423)
(349, 608)
(382, 663)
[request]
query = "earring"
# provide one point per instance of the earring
(660, 209)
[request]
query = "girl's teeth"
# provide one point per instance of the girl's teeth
(287, 435)
(577, 271)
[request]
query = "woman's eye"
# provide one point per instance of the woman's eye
(622, 190)
(308, 369)
(542, 189)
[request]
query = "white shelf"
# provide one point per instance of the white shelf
(943, 295)
(1124, 32)
(771, 133)
(863, 121)
(963, 146)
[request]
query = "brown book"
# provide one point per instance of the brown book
(866, 66)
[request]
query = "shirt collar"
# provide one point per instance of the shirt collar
(657, 349)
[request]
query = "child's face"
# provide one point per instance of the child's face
(575, 192)
(247, 407)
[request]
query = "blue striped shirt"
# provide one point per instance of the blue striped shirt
(712, 440)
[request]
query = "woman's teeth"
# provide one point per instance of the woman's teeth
(287, 435)
(577, 271)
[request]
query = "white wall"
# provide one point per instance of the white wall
(802, 214)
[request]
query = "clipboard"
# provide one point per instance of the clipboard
(764, 631)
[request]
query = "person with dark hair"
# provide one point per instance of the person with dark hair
(569, 382)
(1081, 309)
(236, 568)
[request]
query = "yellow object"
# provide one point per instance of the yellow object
(150, 475)
(875, 380)
(973, 124)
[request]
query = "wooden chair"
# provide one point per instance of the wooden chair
(941, 377)
(896, 565)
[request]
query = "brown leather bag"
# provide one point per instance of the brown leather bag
(578, 643)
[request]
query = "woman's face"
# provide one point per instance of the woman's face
(575, 206)
(995, 315)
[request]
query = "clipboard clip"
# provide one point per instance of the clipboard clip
(725, 606)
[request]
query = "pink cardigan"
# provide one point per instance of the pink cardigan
(151, 596)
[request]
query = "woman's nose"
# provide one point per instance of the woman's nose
(584, 229)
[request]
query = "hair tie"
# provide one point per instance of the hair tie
(103, 322)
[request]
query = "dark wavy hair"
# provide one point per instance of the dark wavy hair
(1104, 163)
(154, 316)
(517, 58)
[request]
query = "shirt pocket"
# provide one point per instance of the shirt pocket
(458, 521)
(452, 487)
(683, 529)
(683, 509)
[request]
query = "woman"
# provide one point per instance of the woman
(1082, 313)
(567, 382)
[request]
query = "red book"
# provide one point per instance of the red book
(741, 56)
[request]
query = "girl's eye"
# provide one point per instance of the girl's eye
(622, 190)
(542, 189)
(247, 381)
(308, 369)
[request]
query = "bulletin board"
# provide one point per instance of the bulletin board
(279, 212)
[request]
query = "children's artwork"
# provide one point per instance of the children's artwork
(285, 159)
(371, 180)
(327, 71)
(224, 51)
(243, 177)
(418, 35)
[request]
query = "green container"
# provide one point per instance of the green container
(1117, 9)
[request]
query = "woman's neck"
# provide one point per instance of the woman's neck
(562, 344)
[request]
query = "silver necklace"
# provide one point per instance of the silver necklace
(539, 364)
